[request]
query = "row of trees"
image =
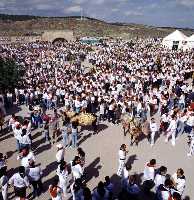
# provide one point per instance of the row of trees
(10, 74)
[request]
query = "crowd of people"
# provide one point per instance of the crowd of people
(154, 179)
(140, 79)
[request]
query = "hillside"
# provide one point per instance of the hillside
(11, 25)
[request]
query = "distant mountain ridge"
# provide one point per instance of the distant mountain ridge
(29, 17)
(26, 24)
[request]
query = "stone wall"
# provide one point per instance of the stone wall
(19, 39)
(46, 36)
(52, 35)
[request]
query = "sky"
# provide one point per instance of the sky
(176, 13)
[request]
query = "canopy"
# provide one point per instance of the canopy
(175, 40)
(89, 40)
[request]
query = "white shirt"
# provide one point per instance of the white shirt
(139, 107)
(180, 183)
(25, 160)
(34, 174)
(153, 127)
(11, 121)
(3, 183)
(102, 109)
(77, 104)
(17, 133)
(24, 139)
(159, 179)
(122, 155)
(183, 118)
(60, 155)
(164, 118)
(125, 173)
(110, 107)
(63, 175)
(77, 171)
(149, 172)
(190, 121)
(18, 181)
(173, 125)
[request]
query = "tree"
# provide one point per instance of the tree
(10, 74)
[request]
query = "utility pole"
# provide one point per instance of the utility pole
(81, 14)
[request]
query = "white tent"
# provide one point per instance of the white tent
(190, 42)
(175, 40)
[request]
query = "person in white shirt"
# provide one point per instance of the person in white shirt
(55, 191)
(163, 192)
(189, 123)
(191, 143)
(77, 105)
(26, 157)
(149, 170)
(60, 153)
(181, 101)
(102, 110)
(171, 131)
(62, 173)
(3, 183)
(17, 134)
(122, 157)
(34, 174)
(153, 129)
(160, 177)
(24, 140)
(20, 182)
(126, 170)
(179, 181)
(3, 161)
(181, 122)
(164, 122)
(77, 170)
(11, 122)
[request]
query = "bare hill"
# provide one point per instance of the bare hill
(33, 25)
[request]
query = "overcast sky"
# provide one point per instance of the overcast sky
(179, 13)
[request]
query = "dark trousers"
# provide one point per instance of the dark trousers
(20, 192)
(102, 117)
(111, 116)
(37, 187)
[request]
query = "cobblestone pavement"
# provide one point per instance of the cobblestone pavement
(102, 155)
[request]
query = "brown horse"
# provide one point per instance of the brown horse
(134, 129)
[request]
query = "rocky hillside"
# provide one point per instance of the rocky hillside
(32, 25)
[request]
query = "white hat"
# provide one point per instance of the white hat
(59, 146)
(17, 123)
(36, 108)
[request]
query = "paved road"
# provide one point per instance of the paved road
(101, 155)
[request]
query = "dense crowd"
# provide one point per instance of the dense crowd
(139, 79)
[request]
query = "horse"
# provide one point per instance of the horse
(133, 126)
(135, 130)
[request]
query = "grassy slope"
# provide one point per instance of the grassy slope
(21, 25)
